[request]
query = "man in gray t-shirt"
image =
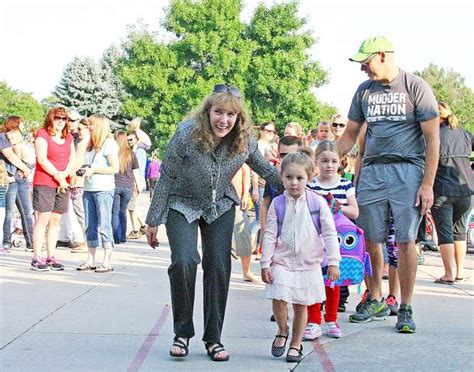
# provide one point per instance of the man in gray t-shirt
(399, 164)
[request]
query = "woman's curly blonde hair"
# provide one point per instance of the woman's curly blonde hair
(238, 137)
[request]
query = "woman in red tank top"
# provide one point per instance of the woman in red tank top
(55, 157)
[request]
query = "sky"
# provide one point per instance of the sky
(39, 37)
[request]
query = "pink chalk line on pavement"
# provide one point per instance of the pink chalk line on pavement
(148, 343)
(323, 356)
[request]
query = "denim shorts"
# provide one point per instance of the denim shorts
(385, 187)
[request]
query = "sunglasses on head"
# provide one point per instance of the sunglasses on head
(222, 88)
(58, 118)
(340, 125)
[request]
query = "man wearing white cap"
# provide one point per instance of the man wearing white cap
(398, 168)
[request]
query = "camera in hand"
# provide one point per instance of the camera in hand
(82, 170)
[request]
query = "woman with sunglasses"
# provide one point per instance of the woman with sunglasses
(55, 156)
(195, 191)
(338, 125)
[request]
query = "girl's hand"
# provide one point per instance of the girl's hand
(333, 273)
(151, 236)
(338, 206)
(267, 276)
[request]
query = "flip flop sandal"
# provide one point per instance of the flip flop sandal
(216, 350)
(461, 279)
(85, 266)
(278, 351)
(443, 281)
(103, 269)
(182, 346)
(295, 358)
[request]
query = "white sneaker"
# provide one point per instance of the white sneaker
(334, 330)
(312, 331)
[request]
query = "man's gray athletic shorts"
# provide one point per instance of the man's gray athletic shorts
(389, 186)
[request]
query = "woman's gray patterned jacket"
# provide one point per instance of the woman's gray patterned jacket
(188, 176)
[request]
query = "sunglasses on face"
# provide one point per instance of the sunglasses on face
(59, 118)
(340, 125)
(368, 59)
(130, 140)
(283, 154)
(221, 88)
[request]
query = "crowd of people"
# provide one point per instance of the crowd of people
(71, 182)
(398, 155)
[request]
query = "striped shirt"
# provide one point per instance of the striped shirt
(341, 190)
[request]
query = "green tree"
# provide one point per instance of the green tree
(15, 102)
(90, 87)
(208, 43)
(282, 73)
(449, 86)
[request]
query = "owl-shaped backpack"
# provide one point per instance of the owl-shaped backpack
(355, 261)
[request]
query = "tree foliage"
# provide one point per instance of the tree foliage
(449, 86)
(15, 102)
(91, 87)
(266, 58)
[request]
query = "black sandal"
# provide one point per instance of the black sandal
(295, 358)
(216, 350)
(278, 351)
(181, 345)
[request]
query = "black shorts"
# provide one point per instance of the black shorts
(48, 199)
(450, 215)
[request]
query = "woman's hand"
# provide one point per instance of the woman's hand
(60, 176)
(151, 236)
(89, 172)
(267, 276)
(333, 273)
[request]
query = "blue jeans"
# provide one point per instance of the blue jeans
(98, 211)
(122, 197)
(18, 192)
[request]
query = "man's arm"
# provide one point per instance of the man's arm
(349, 138)
(430, 130)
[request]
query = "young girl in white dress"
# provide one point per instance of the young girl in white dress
(291, 260)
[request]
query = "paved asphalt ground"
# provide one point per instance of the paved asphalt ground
(122, 321)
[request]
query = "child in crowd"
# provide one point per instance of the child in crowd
(331, 185)
(323, 133)
(21, 150)
(293, 252)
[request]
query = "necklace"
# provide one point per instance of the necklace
(214, 183)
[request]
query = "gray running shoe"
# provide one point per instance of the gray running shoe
(370, 310)
(405, 323)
